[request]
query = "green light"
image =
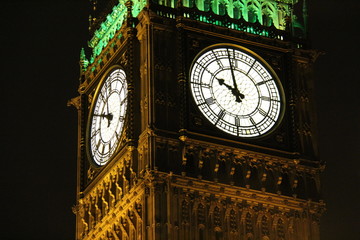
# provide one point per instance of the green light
(111, 25)
(250, 16)
(83, 60)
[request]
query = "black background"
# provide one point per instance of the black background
(40, 47)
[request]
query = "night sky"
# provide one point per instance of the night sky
(40, 46)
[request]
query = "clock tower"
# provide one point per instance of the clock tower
(196, 121)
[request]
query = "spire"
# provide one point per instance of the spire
(83, 60)
(129, 17)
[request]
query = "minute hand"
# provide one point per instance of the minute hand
(235, 90)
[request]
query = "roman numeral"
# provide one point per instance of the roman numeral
(218, 60)
(265, 98)
(263, 82)
(123, 101)
(205, 69)
(108, 90)
(210, 101)
(220, 116)
(254, 123)
(235, 62)
(252, 65)
(103, 149)
(98, 144)
(95, 133)
(237, 122)
(201, 84)
(262, 112)
(102, 97)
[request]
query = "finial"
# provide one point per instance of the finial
(129, 5)
(83, 61)
(129, 16)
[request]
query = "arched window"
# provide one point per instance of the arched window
(207, 5)
(201, 214)
(280, 229)
(248, 223)
(237, 12)
(268, 14)
(190, 3)
(233, 220)
(217, 217)
(267, 20)
(252, 15)
(264, 226)
(222, 8)
(185, 211)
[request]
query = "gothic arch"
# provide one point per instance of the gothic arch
(201, 215)
(280, 228)
(253, 13)
(268, 14)
(237, 11)
(248, 223)
(217, 217)
(263, 225)
(222, 6)
(232, 219)
(282, 15)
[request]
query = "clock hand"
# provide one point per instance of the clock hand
(108, 116)
(107, 103)
(234, 91)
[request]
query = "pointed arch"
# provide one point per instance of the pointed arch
(263, 225)
(269, 16)
(207, 5)
(237, 11)
(201, 221)
(201, 215)
(222, 7)
(249, 224)
(281, 227)
(253, 11)
(232, 219)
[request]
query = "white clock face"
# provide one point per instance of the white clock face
(107, 118)
(236, 91)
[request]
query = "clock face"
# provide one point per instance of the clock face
(236, 91)
(107, 117)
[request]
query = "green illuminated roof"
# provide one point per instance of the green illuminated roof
(113, 23)
(253, 16)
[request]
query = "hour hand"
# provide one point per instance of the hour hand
(222, 82)
(234, 91)
(108, 116)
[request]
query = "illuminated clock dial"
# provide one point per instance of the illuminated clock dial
(236, 90)
(107, 117)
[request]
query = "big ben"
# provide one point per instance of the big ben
(196, 121)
